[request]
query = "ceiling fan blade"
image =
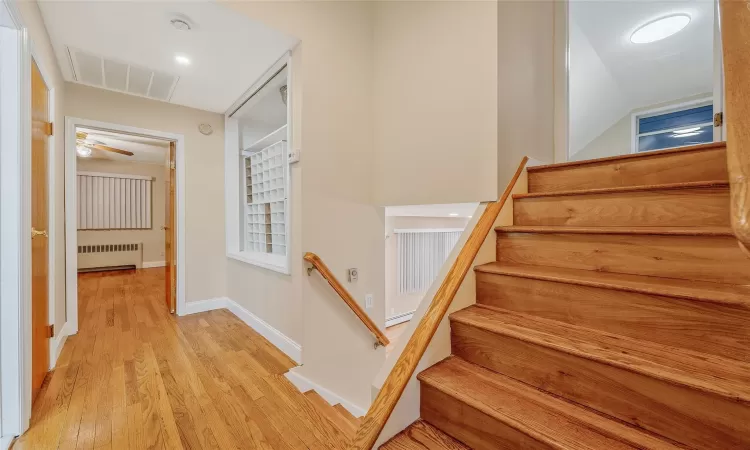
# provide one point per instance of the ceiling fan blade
(110, 149)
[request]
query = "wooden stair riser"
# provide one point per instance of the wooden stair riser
(692, 417)
(707, 258)
(471, 426)
(669, 207)
(692, 324)
(677, 167)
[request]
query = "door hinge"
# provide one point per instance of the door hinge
(172, 165)
(48, 128)
(718, 119)
(51, 331)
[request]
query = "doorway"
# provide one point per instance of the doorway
(640, 77)
(124, 203)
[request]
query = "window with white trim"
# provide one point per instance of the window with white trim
(258, 135)
(675, 128)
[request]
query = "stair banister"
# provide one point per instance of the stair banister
(735, 30)
(325, 272)
(393, 387)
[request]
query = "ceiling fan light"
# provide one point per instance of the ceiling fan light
(82, 151)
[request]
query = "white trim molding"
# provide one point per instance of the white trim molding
(152, 264)
(56, 344)
(304, 384)
(274, 336)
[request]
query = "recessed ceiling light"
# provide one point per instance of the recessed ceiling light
(687, 130)
(182, 60)
(660, 29)
(83, 151)
(453, 214)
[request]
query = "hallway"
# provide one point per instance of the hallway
(135, 377)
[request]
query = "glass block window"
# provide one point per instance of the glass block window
(688, 126)
(265, 195)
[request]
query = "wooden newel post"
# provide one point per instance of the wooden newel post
(735, 30)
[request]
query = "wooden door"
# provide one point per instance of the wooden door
(170, 255)
(40, 131)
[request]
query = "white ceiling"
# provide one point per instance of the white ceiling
(147, 150)
(228, 51)
(610, 76)
(441, 210)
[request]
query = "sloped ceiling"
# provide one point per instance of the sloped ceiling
(610, 76)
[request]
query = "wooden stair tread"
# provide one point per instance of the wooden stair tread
(664, 231)
(540, 415)
(692, 148)
(612, 190)
(325, 409)
(422, 435)
(347, 415)
(708, 373)
(726, 294)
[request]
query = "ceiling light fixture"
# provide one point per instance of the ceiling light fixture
(182, 60)
(687, 130)
(82, 151)
(453, 214)
(659, 29)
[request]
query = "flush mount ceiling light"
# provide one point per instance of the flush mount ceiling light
(659, 29)
(83, 151)
(182, 60)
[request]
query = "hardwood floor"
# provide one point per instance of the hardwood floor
(136, 377)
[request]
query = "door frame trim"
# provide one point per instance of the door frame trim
(71, 234)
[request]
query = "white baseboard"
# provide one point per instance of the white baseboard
(304, 384)
(150, 264)
(205, 305)
(401, 318)
(276, 337)
(57, 343)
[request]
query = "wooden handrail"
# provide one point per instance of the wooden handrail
(735, 35)
(325, 272)
(378, 414)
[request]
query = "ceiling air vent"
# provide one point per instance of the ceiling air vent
(98, 71)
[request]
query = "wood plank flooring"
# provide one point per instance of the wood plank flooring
(136, 377)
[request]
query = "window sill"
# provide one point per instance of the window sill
(276, 263)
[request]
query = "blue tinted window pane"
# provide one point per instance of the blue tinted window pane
(671, 139)
(677, 119)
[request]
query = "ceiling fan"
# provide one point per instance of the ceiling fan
(84, 145)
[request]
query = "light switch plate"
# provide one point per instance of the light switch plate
(294, 155)
(368, 301)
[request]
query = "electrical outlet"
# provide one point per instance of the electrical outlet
(368, 301)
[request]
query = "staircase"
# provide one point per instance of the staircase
(617, 316)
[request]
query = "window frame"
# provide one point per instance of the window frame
(235, 182)
(636, 116)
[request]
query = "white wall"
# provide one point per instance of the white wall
(205, 263)
(435, 98)
(525, 85)
(397, 303)
(332, 185)
(152, 239)
(617, 139)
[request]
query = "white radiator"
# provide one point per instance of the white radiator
(110, 257)
(421, 254)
